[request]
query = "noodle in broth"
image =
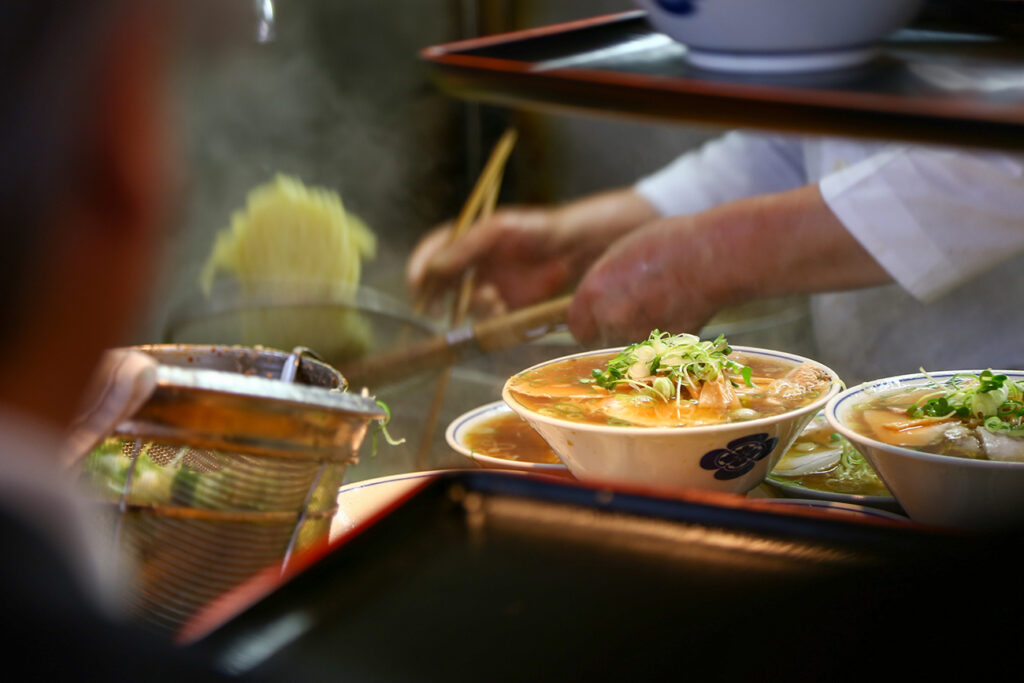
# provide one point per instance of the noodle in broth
(566, 390)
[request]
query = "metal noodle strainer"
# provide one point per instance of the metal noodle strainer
(232, 464)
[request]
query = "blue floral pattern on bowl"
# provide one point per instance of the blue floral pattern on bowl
(680, 7)
(740, 456)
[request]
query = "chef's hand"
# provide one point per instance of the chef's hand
(674, 273)
(525, 255)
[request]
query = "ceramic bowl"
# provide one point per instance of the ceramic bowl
(778, 35)
(936, 489)
(733, 457)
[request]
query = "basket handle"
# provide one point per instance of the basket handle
(493, 334)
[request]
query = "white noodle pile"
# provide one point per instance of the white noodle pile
(297, 244)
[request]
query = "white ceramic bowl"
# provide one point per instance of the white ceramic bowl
(461, 426)
(936, 489)
(732, 457)
(778, 35)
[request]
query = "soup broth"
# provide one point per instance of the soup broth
(895, 418)
(822, 460)
(566, 390)
(509, 437)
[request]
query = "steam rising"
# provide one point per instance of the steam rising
(337, 100)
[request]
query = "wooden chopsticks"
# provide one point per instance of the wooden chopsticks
(486, 336)
(480, 205)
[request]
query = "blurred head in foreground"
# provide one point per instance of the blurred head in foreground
(82, 176)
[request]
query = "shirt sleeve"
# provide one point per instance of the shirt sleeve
(732, 167)
(933, 218)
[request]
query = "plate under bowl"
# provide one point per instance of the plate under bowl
(462, 425)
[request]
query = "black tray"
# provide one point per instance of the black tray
(487, 576)
(944, 87)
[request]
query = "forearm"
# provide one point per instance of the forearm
(601, 219)
(781, 244)
(582, 230)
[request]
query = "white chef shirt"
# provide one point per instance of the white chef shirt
(946, 224)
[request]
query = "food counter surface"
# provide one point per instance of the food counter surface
(496, 577)
(924, 86)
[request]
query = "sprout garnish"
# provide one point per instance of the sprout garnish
(993, 400)
(664, 364)
(382, 429)
(852, 470)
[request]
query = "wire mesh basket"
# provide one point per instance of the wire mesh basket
(232, 464)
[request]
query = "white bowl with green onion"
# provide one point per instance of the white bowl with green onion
(628, 416)
(948, 445)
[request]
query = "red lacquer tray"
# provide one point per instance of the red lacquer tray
(924, 86)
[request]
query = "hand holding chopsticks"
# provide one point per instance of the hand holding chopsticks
(524, 255)
(479, 206)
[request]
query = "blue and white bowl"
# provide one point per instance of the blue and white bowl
(779, 35)
(732, 457)
(933, 489)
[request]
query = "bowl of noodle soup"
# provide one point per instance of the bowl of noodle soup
(943, 469)
(630, 435)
